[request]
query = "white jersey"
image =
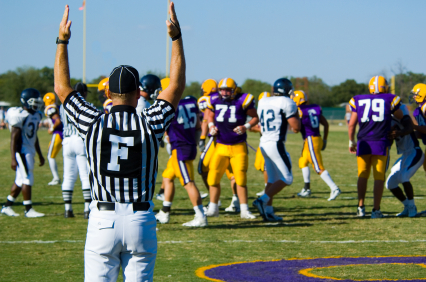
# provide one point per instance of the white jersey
(142, 104)
(407, 142)
(273, 113)
(28, 123)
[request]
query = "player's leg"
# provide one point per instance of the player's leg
(27, 183)
(203, 164)
(364, 168)
(55, 146)
(235, 202)
(163, 216)
(83, 169)
(303, 165)
(259, 164)
(217, 166)
(379, 164)
(70, 176)
(14, 193)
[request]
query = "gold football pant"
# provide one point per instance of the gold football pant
(184, 170)
(311, 154)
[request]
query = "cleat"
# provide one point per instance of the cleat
(360, 212)
(162, 217)
(247, 215)
(334, 194)
(204, 195)
(234, 206)
(412, 210)
(197, 222)
(260, 194)
(304, 193)
(209, 212)
(403, 213)
(422, 213)
(377, 214)
(160, 197)
(32, 213)
(86, 214)
(68, 214)
(54, 182)
(273, 217)
(260, 206)
(8, 211)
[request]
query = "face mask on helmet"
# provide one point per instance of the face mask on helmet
(34, 104)
(155, 94)
(226, 93)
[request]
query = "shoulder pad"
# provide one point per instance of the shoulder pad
(248, 100)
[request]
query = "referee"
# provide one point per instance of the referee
(122, 151)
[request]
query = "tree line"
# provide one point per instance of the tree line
(13, 82)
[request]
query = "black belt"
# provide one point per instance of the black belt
(107, 206)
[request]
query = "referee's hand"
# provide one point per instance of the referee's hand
(65, 25)
(173, 27)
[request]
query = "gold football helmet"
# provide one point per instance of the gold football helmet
(49, 99)
(378, 84)
(227, 84)
(299, 97)
(103, 84)
(208, 87)
(264, 95)
(418, 93)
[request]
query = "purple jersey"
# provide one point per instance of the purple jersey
(230, 114)
(374, 118)
(182, 129)
(419, 114)
(310, 117)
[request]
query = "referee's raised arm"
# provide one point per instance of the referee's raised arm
(173, 92)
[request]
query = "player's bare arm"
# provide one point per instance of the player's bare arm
(324, 123)
(243, 128)
(174, 91)
(255, 128)
(294, 123)
(398, 132)
(14, 143)
(210, 122)
(351, 132)
(61, 69)
(57, 122)
(39, 153)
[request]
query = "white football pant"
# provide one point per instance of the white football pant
(277, 162)
(75, 161)
(405, 167)
(25, 169)
(121, 237)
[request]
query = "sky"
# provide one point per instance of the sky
(334, 40)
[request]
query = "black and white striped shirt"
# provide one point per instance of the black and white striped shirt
(121, 147)
(69, 128)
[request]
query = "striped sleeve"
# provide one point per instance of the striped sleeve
(352, 104)
(396, 103)
(423, 109)
(209, 103)
(80, 113)
(159, 116)
(248, 102)
(300, 113)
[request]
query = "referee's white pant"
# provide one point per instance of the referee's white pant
(75, 161)
(277, 162)
(405, 167)
(123, 237)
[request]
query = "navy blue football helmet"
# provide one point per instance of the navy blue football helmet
(31, 99)
(283, 87)
(151, 84)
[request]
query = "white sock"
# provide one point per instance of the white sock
(213, 207)
(199, 211)
(410, 202)
(53, 168)
(167, 204)
(68, 207)
(27, 202)
(306, 174)
(234, 197)
(244, 207)
(264, 198)
(269, 209)
(86, 206)
(10, 198)
(327, 179)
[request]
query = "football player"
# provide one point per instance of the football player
(311, 117)
(418, 95)
(209, 87)
(259, 162)
(150, 86)
(184, 133)
(405, 167)
(52, 113)
(373, 112)
(276, 114)
(227, 115)
(24, 145)
(102, 86)
(75, 161)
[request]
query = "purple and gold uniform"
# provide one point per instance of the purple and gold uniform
(231, 148)
(374, 118)
(420, 116)
(55, 144)
(183, 141)
(310, 121)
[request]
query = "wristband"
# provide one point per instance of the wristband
(351, 144)
(202, 137)
(59, 41)
(211, 124)
(247, 125)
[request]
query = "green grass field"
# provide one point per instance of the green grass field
(311, 227)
